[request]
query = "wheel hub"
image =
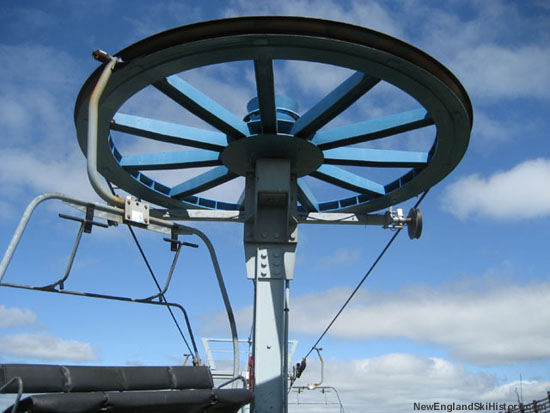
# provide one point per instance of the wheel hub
(240, 156)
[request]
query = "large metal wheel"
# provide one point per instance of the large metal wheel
(335, 156)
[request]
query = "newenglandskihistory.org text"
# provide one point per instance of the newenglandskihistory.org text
(465, 407)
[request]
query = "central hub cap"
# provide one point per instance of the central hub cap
(241, 155)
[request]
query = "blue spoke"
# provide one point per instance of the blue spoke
(200, 183)
(202, 106)
(170, 160)
(372, 129)
(375, 158)
(263, 69)
(333, 104)
(306, 197)
(169, 132)
(348, 180)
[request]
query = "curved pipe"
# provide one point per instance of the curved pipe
(229, 310)
(62, 197)
(91, 151)
(314, 385)
(19, 381)
(21, 228)
(169, 278)
(233, 380)
(62, 280)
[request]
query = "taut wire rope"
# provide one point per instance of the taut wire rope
(361, 282)
(162, 297)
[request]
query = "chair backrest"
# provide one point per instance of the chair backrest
(42, 378)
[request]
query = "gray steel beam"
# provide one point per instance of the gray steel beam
(270, 241)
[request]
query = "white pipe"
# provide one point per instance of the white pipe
(91, 150)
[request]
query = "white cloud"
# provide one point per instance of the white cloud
(393, 382)
(480, 327)
(15, 317)
(46, 347)
(497, 50)
(39, 152)
(494, 71)
(488, 326)
(42, 346)
(315, 80)
(519, 193)
(491, 132)
(37, 90)
(25, 172)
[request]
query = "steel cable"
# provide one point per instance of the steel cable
(162, 297)
(362, 281)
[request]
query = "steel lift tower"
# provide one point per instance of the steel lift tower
(274, 147)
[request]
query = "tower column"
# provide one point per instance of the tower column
(270, 239)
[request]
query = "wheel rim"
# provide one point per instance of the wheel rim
(373, 57)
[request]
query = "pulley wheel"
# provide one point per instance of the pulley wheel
(324, 148)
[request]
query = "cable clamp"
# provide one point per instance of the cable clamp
(395, 219)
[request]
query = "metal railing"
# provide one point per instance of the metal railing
(536, 406)
(115, 214)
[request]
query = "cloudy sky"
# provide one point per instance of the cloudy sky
(457, 316)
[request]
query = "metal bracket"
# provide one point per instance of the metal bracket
(89, 219)
(394, 219)
(135, 211)
(174, 239)
(180, 243)
(88, 222)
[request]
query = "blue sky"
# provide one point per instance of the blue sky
(455, 316)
